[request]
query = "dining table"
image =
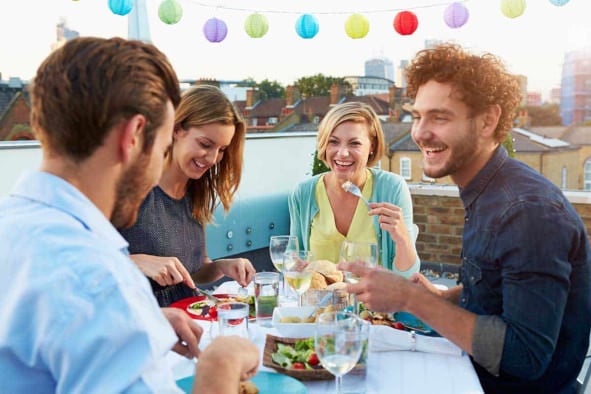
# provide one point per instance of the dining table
(392, 372)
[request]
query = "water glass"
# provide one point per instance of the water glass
(266, 293)
(363, 252)
(278, 245)
(233, 319)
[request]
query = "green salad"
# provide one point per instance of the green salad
(299, 356)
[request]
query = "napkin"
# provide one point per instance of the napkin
(384, 339)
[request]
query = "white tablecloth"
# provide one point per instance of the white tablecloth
(388, 372)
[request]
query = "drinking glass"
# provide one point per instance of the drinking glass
(278, 245)
(364, 252)
(338, 342)
(297, 272)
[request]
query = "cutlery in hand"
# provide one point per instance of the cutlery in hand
(352, 188)
(210, 297)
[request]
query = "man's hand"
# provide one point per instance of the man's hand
(241, 270)
(224, 363)
(165, 271)
(188, 332)
(423, 281)
(379, 289)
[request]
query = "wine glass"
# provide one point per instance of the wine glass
(278, 245)
(364, 252)
(338, 342)
(297, 272)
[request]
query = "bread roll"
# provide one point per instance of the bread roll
(328, 269)
(318, 282)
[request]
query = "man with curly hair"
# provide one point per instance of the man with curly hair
(522, 310)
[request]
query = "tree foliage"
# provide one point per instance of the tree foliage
(319, 85)
(270, 89)
(545, 115)
(318, 166)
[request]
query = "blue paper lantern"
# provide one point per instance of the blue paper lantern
(307, 26)
(456, 15)
(121, 7)
(215, 30)
(559, 3)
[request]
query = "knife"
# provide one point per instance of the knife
(209, 296)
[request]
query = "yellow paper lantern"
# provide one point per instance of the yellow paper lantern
(170, 12)
(512, 8)
(356, 26)
(256, 25)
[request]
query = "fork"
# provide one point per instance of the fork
(209, 296)
(352, 188)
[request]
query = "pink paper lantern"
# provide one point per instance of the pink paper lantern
(455, 15)
(215, 30)
(405, 23)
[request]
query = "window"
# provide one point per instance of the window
(587, 175)
(563, 182)
(272, 120)
(405, 169)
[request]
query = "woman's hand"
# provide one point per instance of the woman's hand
(391, 219)
(241, 270)
(165, 271)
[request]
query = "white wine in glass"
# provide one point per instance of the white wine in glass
(278, 245)
(297, 273)
(364, 252)
(338, 342)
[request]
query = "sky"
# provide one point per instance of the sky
(532, 44)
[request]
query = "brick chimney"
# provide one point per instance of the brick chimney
(292, 94)
(392, 96)
(335, 93)
(251, 97)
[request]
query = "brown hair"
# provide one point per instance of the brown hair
(88, 85)
(206, 104)
(357, 112)
(478, 81)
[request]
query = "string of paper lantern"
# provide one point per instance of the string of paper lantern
(307, 26)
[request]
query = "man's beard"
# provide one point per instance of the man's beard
(463, 153)
(131, 189)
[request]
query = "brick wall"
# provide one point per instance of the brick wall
(441, 220)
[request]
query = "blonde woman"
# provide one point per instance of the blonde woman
(202, 169)
(323, 215)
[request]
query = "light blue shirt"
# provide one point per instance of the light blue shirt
(76, 315)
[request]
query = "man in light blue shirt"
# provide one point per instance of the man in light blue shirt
(77, 315)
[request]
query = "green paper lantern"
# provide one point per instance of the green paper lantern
(170, 12)
(512, 8)
(256, 25)
(356, 26)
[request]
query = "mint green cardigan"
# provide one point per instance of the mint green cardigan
(387, 187)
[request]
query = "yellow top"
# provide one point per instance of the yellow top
(325, 239)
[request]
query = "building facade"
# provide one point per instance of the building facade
(575, 98)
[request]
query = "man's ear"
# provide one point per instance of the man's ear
(131, 138)
(490, 119)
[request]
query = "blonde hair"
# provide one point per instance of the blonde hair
(201, 105)
(357, 112)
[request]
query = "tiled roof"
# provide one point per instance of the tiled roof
(579, 135)
(268, 108)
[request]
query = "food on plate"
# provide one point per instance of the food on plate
(309, 319)
(248, 387)
(206, 309)
(299, 356)
(390, 320)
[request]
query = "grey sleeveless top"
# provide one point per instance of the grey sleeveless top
(166, 227)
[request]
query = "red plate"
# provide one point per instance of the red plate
(200, 308)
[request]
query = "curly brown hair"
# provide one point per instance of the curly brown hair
(478, 81)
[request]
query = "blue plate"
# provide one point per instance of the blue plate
(413, 323)
(267, 383)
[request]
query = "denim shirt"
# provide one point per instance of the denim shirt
(526, 273)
